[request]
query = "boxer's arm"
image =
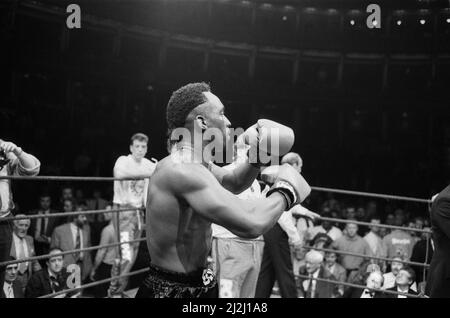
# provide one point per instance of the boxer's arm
(236, 180)
(248, 219)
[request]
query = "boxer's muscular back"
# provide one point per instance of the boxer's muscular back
(178, 239)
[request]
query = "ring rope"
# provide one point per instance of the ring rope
(374, 195)
(103, 281)
(359, 286)
(322, 189)
(366, 256)
(393, 227)
(86, 249)
(63, 214)
(69, 178)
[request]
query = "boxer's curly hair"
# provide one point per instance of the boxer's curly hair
(181, 103)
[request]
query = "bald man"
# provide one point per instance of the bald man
(311, 288)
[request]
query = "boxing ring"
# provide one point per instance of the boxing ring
(116, 211)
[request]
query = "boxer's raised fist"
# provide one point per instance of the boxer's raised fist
(290, 183)
(268, 141)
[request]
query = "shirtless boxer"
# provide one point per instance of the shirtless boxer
(186, 195)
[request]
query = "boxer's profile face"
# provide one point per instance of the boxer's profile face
(138, 149)
(215, 116)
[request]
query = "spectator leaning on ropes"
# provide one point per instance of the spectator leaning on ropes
(132, 194)
(13, 162)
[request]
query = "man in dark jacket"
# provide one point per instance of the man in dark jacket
(11, 287)
(438, 281)
(311, 288)
(403, 281)
(49, 280)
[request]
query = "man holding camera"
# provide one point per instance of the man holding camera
(13, 162)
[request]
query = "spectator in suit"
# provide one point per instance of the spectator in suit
(352, 242)
(11, 287)
(336, 270)
(52, 279)
(13, 162)
(438, 280)
(42, 228)
(372, 280)
(419, 254)
(403, 282)
(66, 194)
(390, 277)
(311, 288)
(23, 247)
(74, 235)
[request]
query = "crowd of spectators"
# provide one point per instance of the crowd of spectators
(55, 234)
(327, 243)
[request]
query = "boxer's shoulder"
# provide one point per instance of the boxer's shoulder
(180, 176)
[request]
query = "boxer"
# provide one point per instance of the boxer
(187, 193)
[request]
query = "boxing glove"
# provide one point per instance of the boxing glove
(289, 183)
(268, 141)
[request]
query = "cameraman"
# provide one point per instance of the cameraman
(13, 161)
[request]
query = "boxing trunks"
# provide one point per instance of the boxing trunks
(162, 283)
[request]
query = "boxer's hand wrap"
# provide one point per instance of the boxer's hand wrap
(288, 192)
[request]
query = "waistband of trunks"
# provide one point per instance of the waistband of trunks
(195, 278)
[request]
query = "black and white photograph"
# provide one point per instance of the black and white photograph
(211, 149)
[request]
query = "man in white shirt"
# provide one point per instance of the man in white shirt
(236, 260)
(131, 194)
(376, 243)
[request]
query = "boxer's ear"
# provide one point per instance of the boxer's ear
(201, 122)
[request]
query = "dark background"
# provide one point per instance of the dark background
(370, 107)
